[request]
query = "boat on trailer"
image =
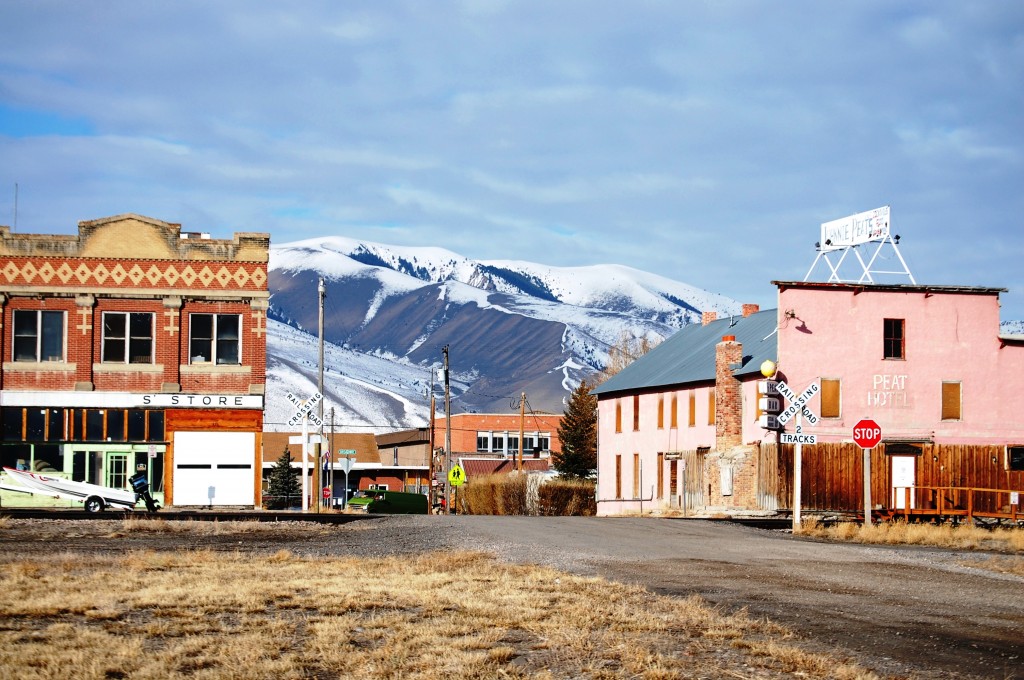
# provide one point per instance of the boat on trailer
(93, 496)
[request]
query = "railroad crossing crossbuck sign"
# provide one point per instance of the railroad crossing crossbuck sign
(304, 409)
(798, 404)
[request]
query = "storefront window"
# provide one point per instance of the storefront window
(93, 425)
(115, 425)
(13, 424)
(136, 425)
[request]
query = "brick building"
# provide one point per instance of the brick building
(133, 345)
(482, 443)
(497, 434)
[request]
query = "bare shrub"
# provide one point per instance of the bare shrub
(511, 495)
(480, 495)
(495, 495)
(564, 497)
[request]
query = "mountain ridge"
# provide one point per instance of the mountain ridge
(511, 326)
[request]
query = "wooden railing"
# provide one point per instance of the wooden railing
(958, 501)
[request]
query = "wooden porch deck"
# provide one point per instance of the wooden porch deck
(954, 504)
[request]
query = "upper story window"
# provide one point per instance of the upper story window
(636, 412)
(38, 335)
(893, 339)
(951, 400)
(127, 337)
(215, 339)
(508, 442)
(831, 403)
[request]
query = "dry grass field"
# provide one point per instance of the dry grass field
(216, 614)
(962, 537)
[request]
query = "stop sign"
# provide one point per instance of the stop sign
(327, 492)
(867, 434)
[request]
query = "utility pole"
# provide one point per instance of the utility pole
(317, 482)
(430, 445)
(330, 448)
(522, 419)
(447, 424)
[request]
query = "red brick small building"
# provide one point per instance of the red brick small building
(132, 346)
(498, 434)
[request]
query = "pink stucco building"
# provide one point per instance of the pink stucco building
(925, 362)
(680, 427)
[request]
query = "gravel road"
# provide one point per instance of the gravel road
(898, 610)
(901, 611)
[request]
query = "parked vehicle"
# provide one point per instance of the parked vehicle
(93, 497)
(389, 502)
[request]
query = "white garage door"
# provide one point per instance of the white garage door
(214, 468)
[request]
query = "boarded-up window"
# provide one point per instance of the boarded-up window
(661, 475)
(618, 416)
(618, 476)
(673, 477)
(674, 418)
(636, 475)
(711, 406)
(636, 413)
(893, 346)
(661, 412)
(830, 404)
(951, 401)
(693, 408)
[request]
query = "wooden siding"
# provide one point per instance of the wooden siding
(833, 476)
(768, 479)
(693, 479)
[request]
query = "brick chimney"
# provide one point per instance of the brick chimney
(708, 317)
(749, 309)
(728, 398)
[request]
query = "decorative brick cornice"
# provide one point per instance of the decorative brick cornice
(54, 274)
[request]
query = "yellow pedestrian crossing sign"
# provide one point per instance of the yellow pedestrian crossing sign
(456, 476)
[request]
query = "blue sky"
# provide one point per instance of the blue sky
(704, 141)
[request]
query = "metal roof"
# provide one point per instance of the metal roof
(689, 355)
(478, 467)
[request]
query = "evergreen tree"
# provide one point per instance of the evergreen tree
(578, 435)
(284, 483)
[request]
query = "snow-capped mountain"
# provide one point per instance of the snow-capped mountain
(510, 326)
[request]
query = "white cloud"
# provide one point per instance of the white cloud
(657, 135)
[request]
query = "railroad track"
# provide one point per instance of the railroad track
(775, 523)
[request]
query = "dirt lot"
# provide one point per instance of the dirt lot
(899, 611)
